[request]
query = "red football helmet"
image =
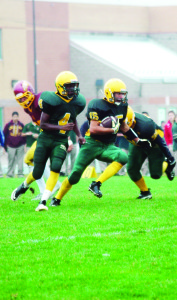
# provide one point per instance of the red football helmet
(24, 93)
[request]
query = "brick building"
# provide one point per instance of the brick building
(55, 24)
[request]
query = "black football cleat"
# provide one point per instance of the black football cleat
(169, 170)
(145, 195)
(55, 202)
(95, 188)
(18, 192)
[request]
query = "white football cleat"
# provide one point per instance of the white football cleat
(41, 206)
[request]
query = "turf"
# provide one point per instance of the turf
(116, 247)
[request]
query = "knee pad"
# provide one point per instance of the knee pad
(74, 177)
(56, 165)
(134, 175)
(38, 171)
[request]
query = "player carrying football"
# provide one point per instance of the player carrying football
(59, 112)
(100, 140)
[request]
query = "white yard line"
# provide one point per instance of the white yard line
(96, 235)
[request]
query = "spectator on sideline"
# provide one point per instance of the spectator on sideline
(14, 145)
(31, 132)
(168, 136)
(1, 146)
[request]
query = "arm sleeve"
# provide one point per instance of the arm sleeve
(163, 146)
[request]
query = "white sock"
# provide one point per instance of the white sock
(46, 173)
(41, 185)
(25, 184)
(46, 195)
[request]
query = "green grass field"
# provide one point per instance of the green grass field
(116, 247)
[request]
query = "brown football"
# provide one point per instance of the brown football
(108, 121)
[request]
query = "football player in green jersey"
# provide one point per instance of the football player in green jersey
(160, 159)
(100, 141)
(59, 112)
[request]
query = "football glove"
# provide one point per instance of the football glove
(144, 143)
(171, 161)
(115, 126)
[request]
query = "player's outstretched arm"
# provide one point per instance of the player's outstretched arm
(164, 148)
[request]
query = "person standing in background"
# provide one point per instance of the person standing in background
(14, 145)
(31, 132)
(1, 146)
(168, 136)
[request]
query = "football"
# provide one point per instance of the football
(108, 122)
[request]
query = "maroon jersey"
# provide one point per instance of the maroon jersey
(34, 111)
(12, 133)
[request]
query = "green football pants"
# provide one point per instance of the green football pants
(95, 150)
(48, 147)
(136, 158)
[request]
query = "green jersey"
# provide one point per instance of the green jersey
(61, 112)
(34, 129)
(98, 109)
(146, 128)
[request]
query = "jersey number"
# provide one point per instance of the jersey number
(94, 116)
(64, 121)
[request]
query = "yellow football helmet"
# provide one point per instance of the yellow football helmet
(67, 85)
(113, 86)
(130, 117)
